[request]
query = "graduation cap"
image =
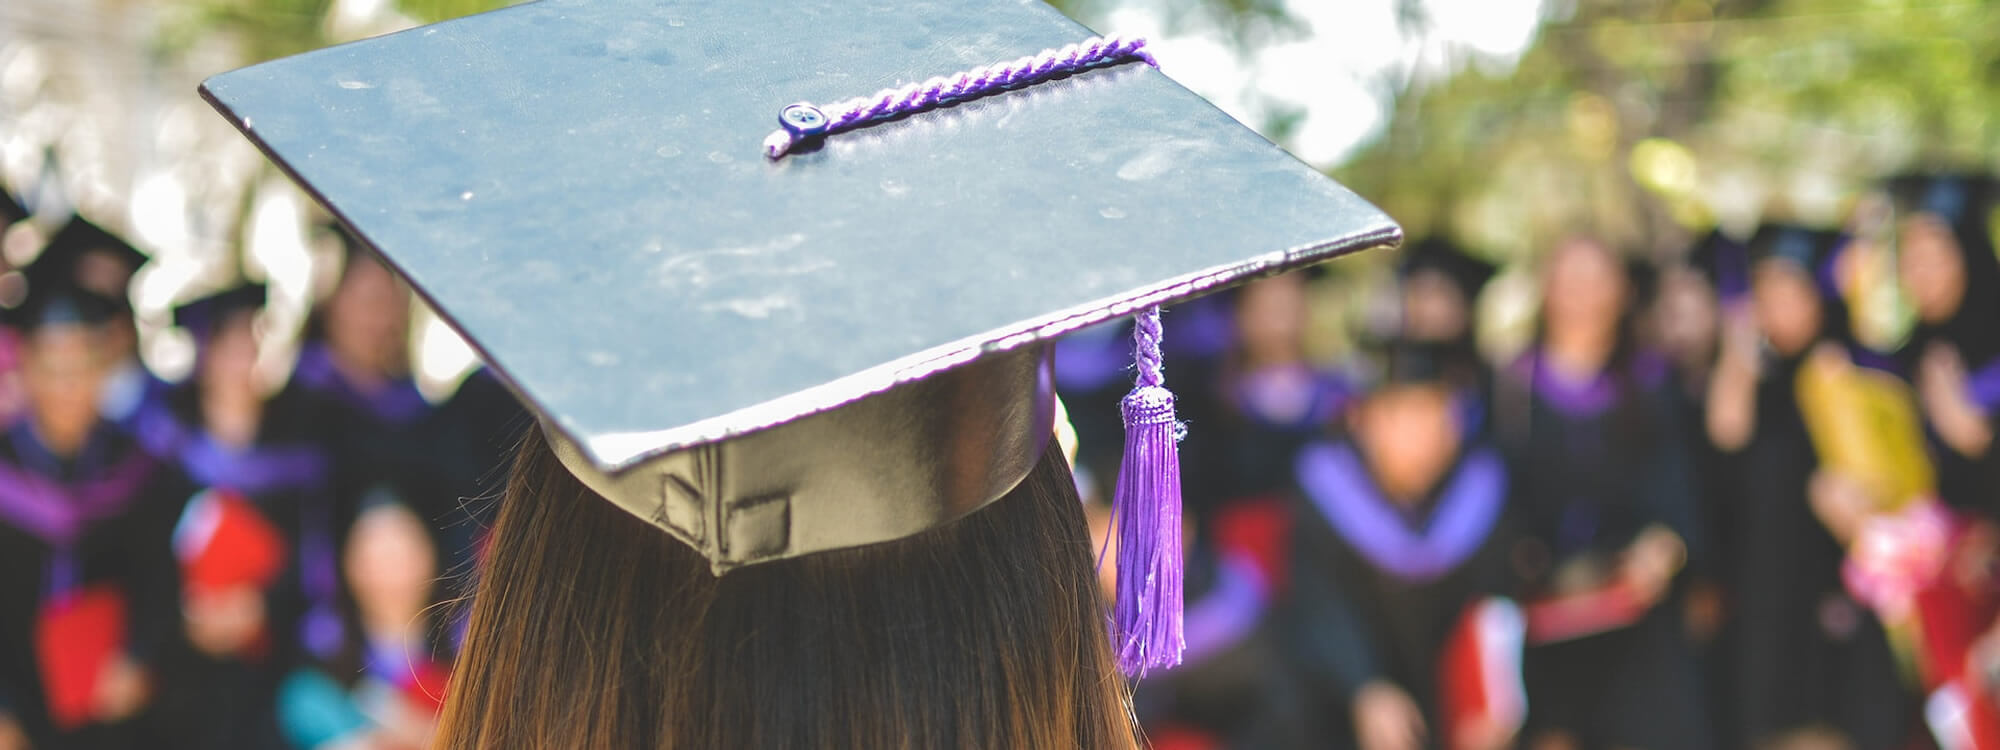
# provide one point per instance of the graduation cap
(201, 316)
(1439, 255)
(1961, 200)
(1406, 361)
(11, 210)
(1723, 261)
(769, 352)
(54, 298)
(1807, 247)
(67, 250)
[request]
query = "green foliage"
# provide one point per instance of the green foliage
(1646, 120)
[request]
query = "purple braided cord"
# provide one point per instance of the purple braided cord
(852, 113)
(1146, 335)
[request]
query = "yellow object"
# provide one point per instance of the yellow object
(1864, 424)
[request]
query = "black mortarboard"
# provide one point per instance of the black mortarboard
(1961, 200)
(1811, 249)
(769, 356)
(1405, 361)
(1437, 254)
(11, 209)
(201, 316)
(53, 298)
(1723, 261)
(80, 236)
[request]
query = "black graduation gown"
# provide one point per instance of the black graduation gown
(1973, 482)
(1973, 331)
(286, 474)
(1594, 464)
(1273, 412)
(443, 460)
(1718, 495)
(105, 518)
(1803, 653)
(1376, 590)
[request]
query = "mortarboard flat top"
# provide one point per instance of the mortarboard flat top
(201, 315)
(1958, 199)
(54, 298)
(67, 251)
(578, 186)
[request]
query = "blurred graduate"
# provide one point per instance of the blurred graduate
(1947, 266)
(88, 587)
(1807, 661)
(256, 550)
(1604, 492)
(1400, 547)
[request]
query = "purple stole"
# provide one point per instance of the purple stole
(398, 403)
(1317, 397)
(1985, 386)
(57, 512)
(1468, 507)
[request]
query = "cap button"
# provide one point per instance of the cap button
(803, 120)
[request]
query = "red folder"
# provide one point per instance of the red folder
(1572, 615)
(223, 541)
(1480, 675)
(75, 637)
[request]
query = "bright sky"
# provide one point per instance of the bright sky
(1342, 69)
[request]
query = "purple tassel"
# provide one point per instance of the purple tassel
(1147, 512)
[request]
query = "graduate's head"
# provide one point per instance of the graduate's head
(65, 355)
(1408, 423)
(224, 327)
(1685, 318)
(1943, 241)
(1932, 266)
(1585, 288)
(1271, 318)
(1784, 285)
(366, 320)
(102, 264)
(1439, 284)
(390, 562)
(982, 632)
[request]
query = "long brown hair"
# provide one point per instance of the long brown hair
(593, 629)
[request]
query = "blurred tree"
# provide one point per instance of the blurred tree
(1645, 120)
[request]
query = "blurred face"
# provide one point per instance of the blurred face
(390, 565)
(229, 361)
(1271, 317)
(1932, 267)
(368, 317)
(1434, 309)
(1685, 318)
(1584, 290)
(1787, 306)
(62, 369)
(1410, 434)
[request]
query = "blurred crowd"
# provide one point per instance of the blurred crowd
(1741, 497)
(231, 561)
(1710, 503)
